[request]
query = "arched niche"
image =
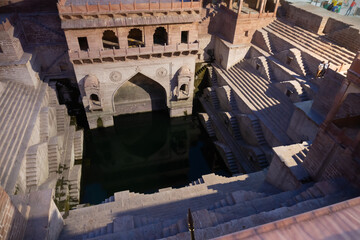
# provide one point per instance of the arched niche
(139, 94)
(135, 38)
(110, 40)
(183, 83)
(160, 36)
(92, 91)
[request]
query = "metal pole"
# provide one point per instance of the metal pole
(191, 225)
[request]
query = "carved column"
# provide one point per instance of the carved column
(230, 4)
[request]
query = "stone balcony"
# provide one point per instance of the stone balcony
(113, 55)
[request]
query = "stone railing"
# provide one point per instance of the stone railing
(124, 52)
(142, 5)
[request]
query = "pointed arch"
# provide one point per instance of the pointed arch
(139, 94)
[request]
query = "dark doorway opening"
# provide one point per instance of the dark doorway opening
(160, 36)
(184, 36)
(83, 43)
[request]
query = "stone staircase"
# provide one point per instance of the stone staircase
(235, 127)
(78, 144)
(304, 96)
(268, 104)
(267, 41)
(312, 42)
(214, 99)
(165, 207)
(301, 155)
(304, 68)
(213, 78)
(207, 123)
(258, 131)
(269, 74)
(261, 158)
(228, 156)
(233, 206)
(19, 108)
(53, 154)
(262, 209)
(107, 200)
(63, 120)
(31, 170)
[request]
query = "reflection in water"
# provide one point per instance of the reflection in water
(145, 152)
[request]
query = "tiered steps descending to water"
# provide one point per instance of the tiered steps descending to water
(19, 108)
(265, 100)
(312, 42)
(167, 206)
(219, 206)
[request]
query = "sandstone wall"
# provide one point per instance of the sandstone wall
(94, 36)
(324, 99)
(301, 127)
(307, 20)
(42, 29)
(280, 175)
(22, 73)
(12, 223)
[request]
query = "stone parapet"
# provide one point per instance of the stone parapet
(89, 56)
(67, 7)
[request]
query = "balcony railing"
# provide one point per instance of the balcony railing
(125, 52)
(142, 5)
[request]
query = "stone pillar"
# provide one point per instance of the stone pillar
(276, 7)
(240, 7)
(257, 7)
(230, 4)
(261, 7)
(264, 6)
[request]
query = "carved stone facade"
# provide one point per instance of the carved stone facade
(134, 67)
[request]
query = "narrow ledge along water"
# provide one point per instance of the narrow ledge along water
(145, 152)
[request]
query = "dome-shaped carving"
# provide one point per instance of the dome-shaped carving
(91, 82)
(184, 70)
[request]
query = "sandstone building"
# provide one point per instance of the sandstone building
(292, 140)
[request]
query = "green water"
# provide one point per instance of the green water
(146, 152)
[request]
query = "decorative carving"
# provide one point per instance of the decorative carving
(115, 76)
(161, 72)
(183, 83)
(137, 69)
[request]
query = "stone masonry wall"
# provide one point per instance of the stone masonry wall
(12, 222)
(11, 49)
(348, 38)
(305, 19)
(22, 73)
(319, 151)
(161, 70)
(94, 36)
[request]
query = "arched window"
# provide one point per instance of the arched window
(160, 36)
(94, 98)
(184, 89)
(135, 38)
(110, 40)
